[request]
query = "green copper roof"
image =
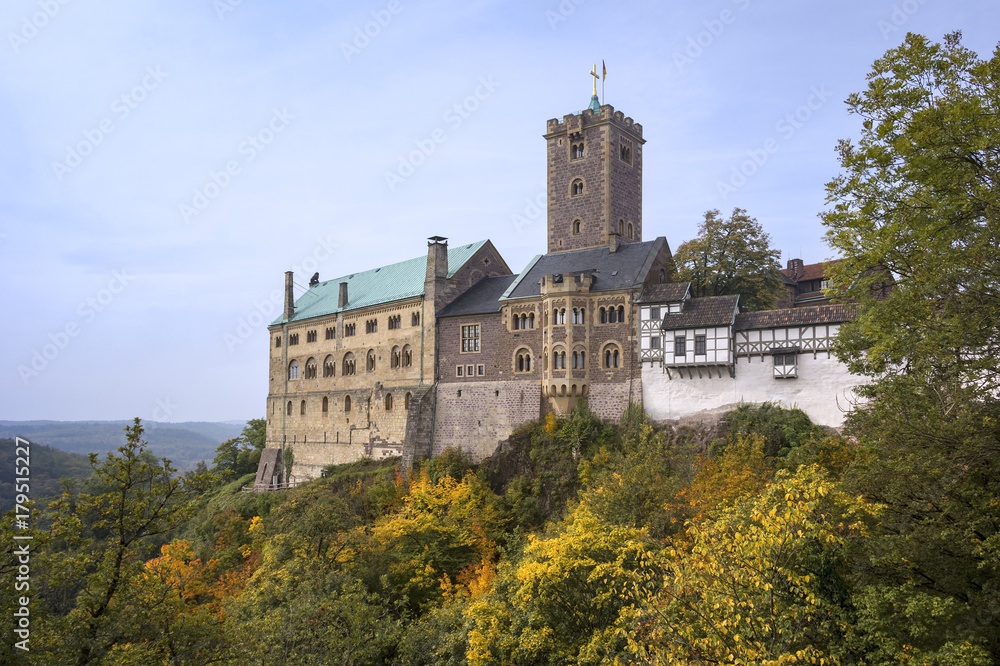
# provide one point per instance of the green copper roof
(595, 104)
(386, 284)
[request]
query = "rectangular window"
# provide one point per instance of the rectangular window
(680, 349)
(654, 313)
(481, 370)
(459, 371)
(699, 345)
(654, 342)
(470, 338)
(470, 371)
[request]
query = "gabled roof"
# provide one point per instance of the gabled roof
(385, 284)
(700, 312)
(831, 313)
(624, 269)
(811, 271)
(668, 292)
(482, 298)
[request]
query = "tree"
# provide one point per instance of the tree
(731, 256)
(240, 455)
(918, 201)
(100, 541)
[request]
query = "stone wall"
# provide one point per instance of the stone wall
(476, 416)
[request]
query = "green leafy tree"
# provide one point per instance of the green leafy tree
(240, 455)
(731, 256)
(918, 202)
(93, 575)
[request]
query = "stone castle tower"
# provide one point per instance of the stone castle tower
(594, 179)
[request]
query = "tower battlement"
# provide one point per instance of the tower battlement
(576, 122)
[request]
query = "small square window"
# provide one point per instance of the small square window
(654, 343)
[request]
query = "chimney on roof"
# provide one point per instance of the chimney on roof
(342, 297)
(289, 296)
(613, 241)
(437, 258)
(796, 269)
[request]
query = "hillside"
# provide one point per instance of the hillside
(182, 443)
(47, 466)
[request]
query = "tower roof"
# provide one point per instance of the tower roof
(595, 104)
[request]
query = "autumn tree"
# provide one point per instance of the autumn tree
(240, 455)
(731, 256)
(94, 575)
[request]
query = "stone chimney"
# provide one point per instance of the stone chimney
(289, 296)
(796, 269)
(342, 297)
(437, 258)
(613, 241)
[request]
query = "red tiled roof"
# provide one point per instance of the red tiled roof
(812, 271)
(668, 292)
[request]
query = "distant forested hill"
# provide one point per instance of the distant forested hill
(46, 466)
(183, 443)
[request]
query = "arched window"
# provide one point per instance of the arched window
(406, 400)
(329, 365)
(531, 320)
(621, 227)
(370, 361)
(576, 360)
(349, 365)
(388, 402)
(576, 316)
(347, 403)
(293, 370)
(576, 189)
(524, 321)
(288, 410)
(326, 404)
(311, 368)
(396, 359)
(604, 316)
(612, 357)
(562, 316)
(522, 360)
(302, 407)
(621, 313)
(577, 226)
(407, 356)
(516, 324)
(630, 230)
(612, 316)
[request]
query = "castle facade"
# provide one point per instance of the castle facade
(451, 349)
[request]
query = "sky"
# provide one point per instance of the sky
(162, 164)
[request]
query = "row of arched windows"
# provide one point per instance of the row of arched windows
(388, 401)
(612, 315)
(398, 358)
(525, 321)
(611, 355)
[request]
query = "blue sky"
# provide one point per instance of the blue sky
(163, 163)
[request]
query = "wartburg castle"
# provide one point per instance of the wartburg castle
(454, 349)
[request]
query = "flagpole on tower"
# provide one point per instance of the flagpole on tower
(604, 77)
